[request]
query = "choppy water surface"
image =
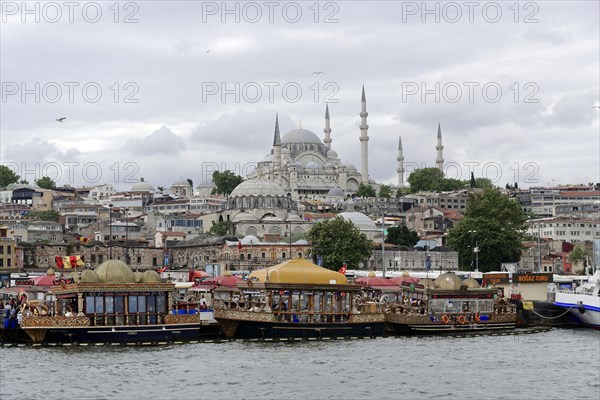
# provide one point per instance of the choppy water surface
(559, 364)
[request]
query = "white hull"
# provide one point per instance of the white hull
(586, 307)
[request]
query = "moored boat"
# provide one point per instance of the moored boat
(296, 299)
(448, 305)
(111, 304)
(583, 302)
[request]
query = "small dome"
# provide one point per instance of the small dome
(331, 154)
(137, 275)
(448, 281)
(293, 218)
(471, 283)
(371, 274)
(258, 187)
(336, 192)
(142, 186)
(300, 135)
(115, 271)
(405, 273)
(85, 276)
(50, 271)
(181, 182)
(249, 240)
(427, 283)
(150, 276)
(363, 222)
(243, 216)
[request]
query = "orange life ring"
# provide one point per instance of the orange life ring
(445, 318)
(461, 319)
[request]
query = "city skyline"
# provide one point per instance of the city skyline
(123, 92)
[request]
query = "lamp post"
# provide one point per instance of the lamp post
(289, 204)
(126, 238)
(110, 206)
(476, 251)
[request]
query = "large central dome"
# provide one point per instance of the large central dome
(257, 187)
(300, 135)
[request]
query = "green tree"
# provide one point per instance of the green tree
(337, 241)
(449, 184)
(49, 215)
(385, 191)
(365, 191)
(472, 182)
(225, 182)
(494, 224)
(402, 236)
(483, 183)
(46, 183)
(7, 176)
(425, 179)
(579, 255)
(220, 228)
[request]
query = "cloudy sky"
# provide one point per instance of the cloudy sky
(176, 89)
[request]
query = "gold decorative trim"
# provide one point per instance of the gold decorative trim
(40, 321)
(182, 319)
(365, 318)
(244, 316)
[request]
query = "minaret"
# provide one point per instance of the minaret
(327, 129)
(364, 139)
(400, 168)
(276, 150)
(439, 161)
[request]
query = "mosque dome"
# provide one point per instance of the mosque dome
(448, 281)
(257, 187)
(249, 240)
(142, 186)
(181, 182)
(115, 271)
(137, 275)
(268, 158)
(331, 154)
(150, 276)
(363, 222)
(336, 192)
(300, 135)
(427, 283)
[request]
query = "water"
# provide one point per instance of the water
(558, 364)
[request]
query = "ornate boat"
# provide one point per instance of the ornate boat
(112, 304)
(448, 305)
(296, 299)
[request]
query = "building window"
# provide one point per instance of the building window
(9, 262)
(263, 254)
(93, 258)
(139, 259)
(154, 262)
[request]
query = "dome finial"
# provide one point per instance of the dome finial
(299, 124)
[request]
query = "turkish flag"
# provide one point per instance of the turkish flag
(239, 245)
(343, 269)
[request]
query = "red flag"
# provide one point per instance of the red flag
(163, 269)
(483, 284)
(59, 262)
(239, 245)
(343, 269)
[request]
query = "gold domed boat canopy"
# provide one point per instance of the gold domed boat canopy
(298, 271)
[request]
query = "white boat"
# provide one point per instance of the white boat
(584, 301)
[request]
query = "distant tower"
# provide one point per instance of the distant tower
(400, 168)
(276, 150)
(364, 140)
(327, 129)
(439, 161)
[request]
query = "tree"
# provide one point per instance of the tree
(49, 215)
(472, 183)
(495, 225)
(46, 183)
(337, 241)
(402, 236)
(365, 191)
(483, 183)
(225, 182)
(579, 255)
(220, 228)
(425, 179)
(385, 191)
(7, 176)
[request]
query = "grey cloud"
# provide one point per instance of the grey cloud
(162, 141)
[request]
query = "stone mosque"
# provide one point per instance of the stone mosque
(309, 168)
(302, 167)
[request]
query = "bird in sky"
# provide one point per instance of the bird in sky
(596, 107)
(317, 72)
(61, 119)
